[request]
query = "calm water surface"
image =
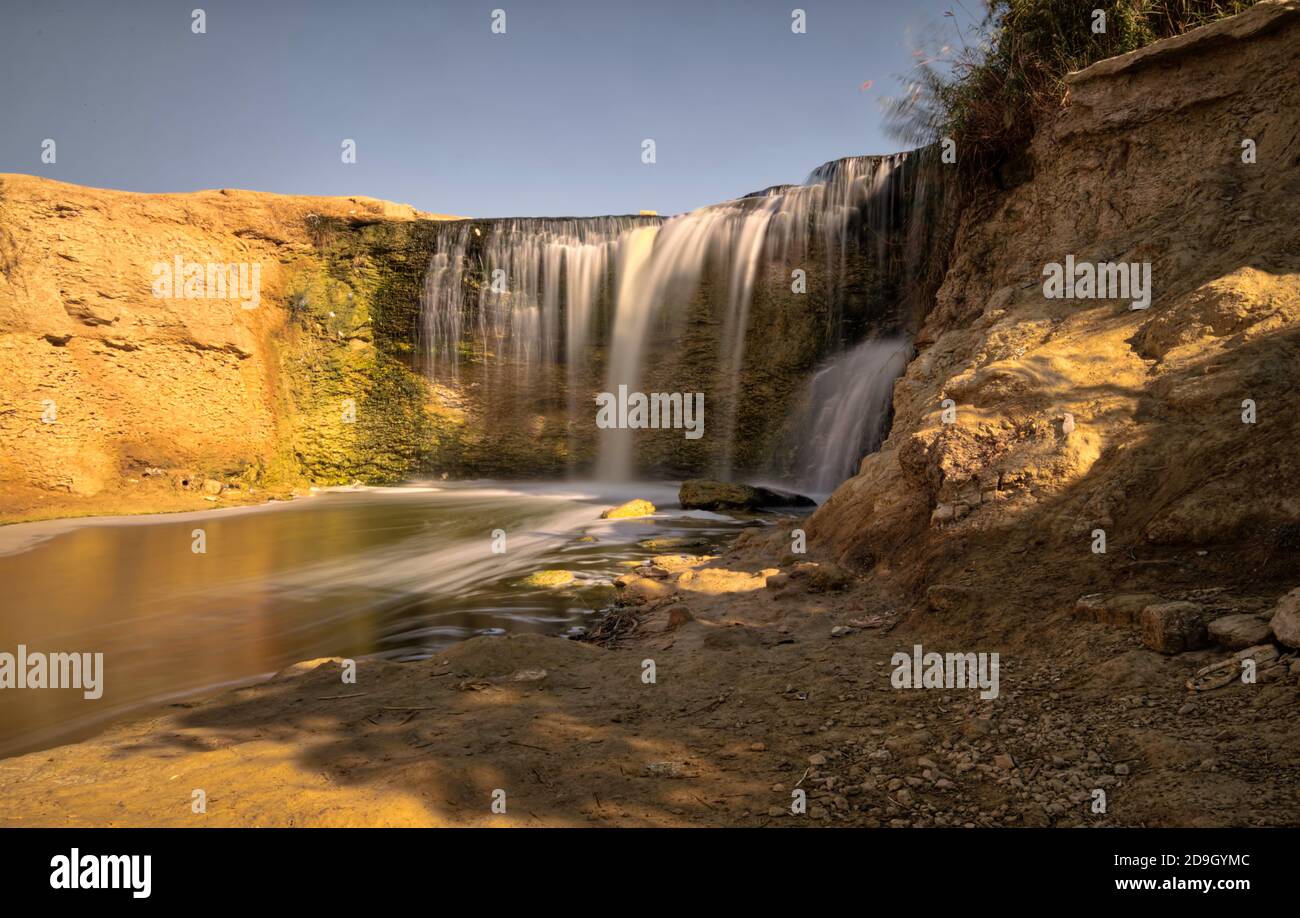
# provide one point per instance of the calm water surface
(394, 572)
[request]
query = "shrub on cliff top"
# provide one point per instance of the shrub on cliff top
(988, 88)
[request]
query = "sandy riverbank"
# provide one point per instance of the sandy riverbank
(758, 692)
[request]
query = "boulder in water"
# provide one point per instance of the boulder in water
(632, 508)
(668, 543)
(548, 579)
(707, 494)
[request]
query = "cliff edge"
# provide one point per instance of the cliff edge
(1030, 427)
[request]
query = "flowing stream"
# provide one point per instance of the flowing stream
(846, 413)
(394, 572)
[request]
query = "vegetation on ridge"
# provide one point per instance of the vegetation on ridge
(990, 87)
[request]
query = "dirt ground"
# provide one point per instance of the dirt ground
(754, 697)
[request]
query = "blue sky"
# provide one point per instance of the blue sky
(546, 119)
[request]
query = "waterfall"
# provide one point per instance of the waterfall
(631, 316)
(528, 294)
(503, 277)
(846, 412)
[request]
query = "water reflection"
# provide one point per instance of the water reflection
(398, 572)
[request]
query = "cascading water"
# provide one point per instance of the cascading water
(846, 412)
(519, 291)
(509, 289)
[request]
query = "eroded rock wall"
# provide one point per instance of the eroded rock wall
(1145, 165)
(115, 399)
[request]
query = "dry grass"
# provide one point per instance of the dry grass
(1003, 73)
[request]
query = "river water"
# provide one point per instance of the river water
(395, 572)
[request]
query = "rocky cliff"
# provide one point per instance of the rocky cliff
(1172, 429)
(120, 395)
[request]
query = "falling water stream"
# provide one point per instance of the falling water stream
(846, 413)
(642, 266)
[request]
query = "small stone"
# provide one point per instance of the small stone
(667, 769)
(823, 577)
(679, 615)
(1004, 761)
(528, 675)
(817, 759)
(840, 631)
(778, 581)
(1121, 769)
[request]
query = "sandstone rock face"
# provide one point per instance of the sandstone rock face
(1285, 622)
(1173, 627)
(114, 382)
(1143, 165)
